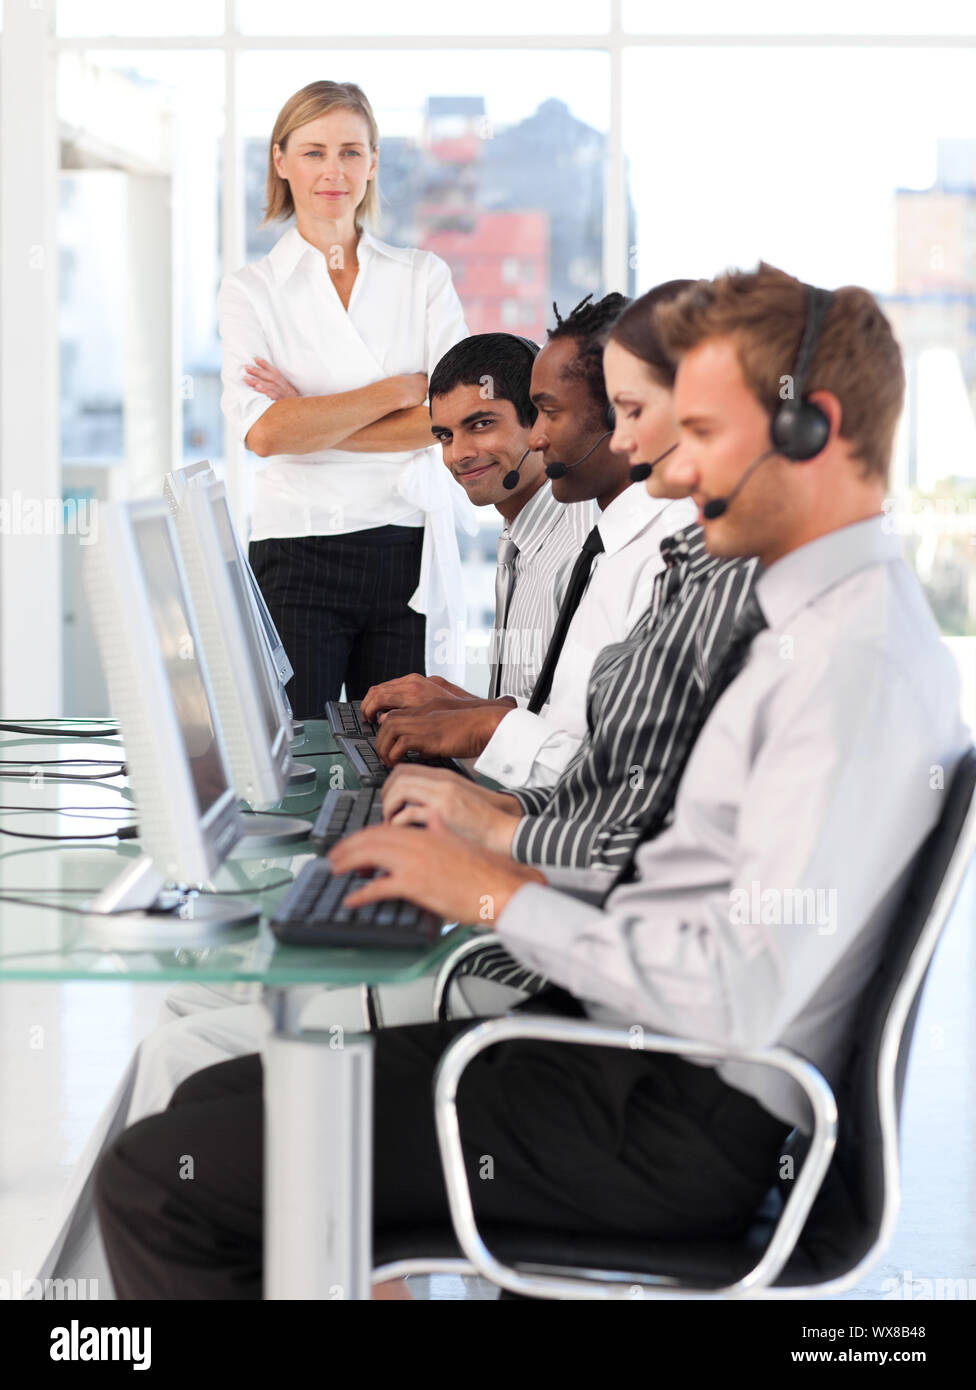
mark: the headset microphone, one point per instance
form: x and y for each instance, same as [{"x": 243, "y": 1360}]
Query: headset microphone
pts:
[
  {"x": 511, "y": 478},
  {"x": 718, "y": 506},
  {"x": 559, "y": 470},
  {"x": 640, "y": 471}
]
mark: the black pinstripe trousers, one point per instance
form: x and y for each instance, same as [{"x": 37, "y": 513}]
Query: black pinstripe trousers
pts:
[{"x": 340, "y": 606}]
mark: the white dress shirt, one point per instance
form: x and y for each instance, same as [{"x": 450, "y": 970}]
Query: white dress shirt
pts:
[
  {"x": 760, "y": 912},
  {"x": 403, "y": 316},
  {"x": 532, "y": 750},
  {"x": 549, "y": 536}
]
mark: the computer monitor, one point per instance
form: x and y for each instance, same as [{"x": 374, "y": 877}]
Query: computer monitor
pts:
[
  {"x": 161, "y": 694},
  {"x": 247, "y": 691},
  {"x": 276, "y": 648},
  {"x": 175, "y": 485}
]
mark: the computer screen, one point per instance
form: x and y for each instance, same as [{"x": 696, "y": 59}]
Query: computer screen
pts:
[
  {"x": 240, "y": 587},
  {"x": 162, "y": 694},
  {"x": 175, "y": 486},
  {"x": 276, "y": 650},
  {"x": 176, "y": 645}
]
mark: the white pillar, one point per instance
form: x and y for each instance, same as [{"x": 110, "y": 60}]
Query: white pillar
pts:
[
  {"x": 30, "y": 461},
  {"x": 152, "y": 395},
  {"x": 232, "y": 257},
  {"x": 616, "y": 252}
]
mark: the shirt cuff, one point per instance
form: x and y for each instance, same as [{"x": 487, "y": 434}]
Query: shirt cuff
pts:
[
  {"x": 511, "y": 751},
  {"x": 540, "y": 925}
]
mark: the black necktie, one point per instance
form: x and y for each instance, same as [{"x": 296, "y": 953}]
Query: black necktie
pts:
[
  {"x": 749, "y": 622},
  {"x": 592, "y": 546}
]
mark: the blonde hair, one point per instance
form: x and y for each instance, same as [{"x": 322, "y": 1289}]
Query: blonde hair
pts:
[{"x": 313, "y": 101}]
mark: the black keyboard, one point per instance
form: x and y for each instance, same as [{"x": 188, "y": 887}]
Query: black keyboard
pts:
[
  {"x": 343, "y": 812},
  {"x": 346, "y": 717},
  {"x": 373, "y": 772},
  {"x": 311, "y": 914},
  {"x": 364, "y": 760}
]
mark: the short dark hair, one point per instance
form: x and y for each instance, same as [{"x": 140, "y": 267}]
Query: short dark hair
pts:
[
  {"x": 499, "y": 360},
  {"x": 589, "y": 324},
  {"x": 636, "y": 331}
]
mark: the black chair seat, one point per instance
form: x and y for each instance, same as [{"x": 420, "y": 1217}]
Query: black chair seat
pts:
[{"x": 698, "y": 1262}]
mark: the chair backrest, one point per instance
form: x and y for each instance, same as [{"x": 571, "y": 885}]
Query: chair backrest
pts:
[{"x": 858, "y": 1203}]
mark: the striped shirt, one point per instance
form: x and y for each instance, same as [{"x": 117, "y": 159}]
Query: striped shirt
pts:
[
  {"x": 643, "y": 694},
  {"x": 549, "y": 536}
]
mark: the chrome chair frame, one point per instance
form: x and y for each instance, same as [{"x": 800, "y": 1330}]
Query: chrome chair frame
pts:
[{"x": 565, "y": 1282}]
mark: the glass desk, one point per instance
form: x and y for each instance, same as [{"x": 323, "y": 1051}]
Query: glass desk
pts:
[{"x": 318, "y": 1088}]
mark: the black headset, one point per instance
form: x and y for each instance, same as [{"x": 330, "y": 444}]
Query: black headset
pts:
[
  {"x": 511, "y": 478},
  {"x": 527, "y": 343},
  {"x": 799, "y": 429}
]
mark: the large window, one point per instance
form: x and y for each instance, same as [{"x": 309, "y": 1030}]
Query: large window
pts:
[
  {"x": 556, "y": 150},
  {"x": 874, "y": 186},
  {"x": 139, "y": 232}
]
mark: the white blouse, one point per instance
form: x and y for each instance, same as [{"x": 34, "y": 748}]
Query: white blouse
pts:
[{"x": 403, "y": 315}]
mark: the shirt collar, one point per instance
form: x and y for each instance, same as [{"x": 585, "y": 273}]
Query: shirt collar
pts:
[
  {"x": 370, "y": 243},
  {"x": 687, "y": 547},
  {"x": 536, "y": 519},
  {"x": 291, "y": 248},
  {"x": 286, "y": 253},
  {"x": 628, "y": 515},
  {"x": 800, "y": 577}
]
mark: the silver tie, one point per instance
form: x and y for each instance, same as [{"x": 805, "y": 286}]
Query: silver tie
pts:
[{"x": 504, "y": 584}]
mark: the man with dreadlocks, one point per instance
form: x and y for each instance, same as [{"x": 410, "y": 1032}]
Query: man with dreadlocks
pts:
[{"x": 529, "y": 744}]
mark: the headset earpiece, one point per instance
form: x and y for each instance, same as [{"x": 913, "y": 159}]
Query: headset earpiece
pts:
[
  {"x": 610, "y": 416},
  {"x": 800, "y": 429}
]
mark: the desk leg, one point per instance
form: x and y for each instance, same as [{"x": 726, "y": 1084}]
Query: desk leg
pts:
[{"x": 318, "y": 1137}]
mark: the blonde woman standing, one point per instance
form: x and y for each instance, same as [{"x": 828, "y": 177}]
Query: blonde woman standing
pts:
[{"x": 327, "y": 346}]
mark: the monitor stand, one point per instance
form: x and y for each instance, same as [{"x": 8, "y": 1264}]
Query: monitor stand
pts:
[
  {"x": 297, "y": 725},
  {"x": 261, "y": 834},
  {"x": 138, "y": 908},
  {"x": 302, "y": 775}
]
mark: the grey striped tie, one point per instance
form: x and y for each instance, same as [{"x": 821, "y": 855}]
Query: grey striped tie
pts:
[{"x": 504, "y": 584}]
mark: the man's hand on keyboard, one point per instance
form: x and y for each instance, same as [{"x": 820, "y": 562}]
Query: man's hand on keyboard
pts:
[
  {"x": 460, "y": 733},
  {"x": 441, "y": 872},
  {"x": 407, "y": 691},
  {"x": 447, "y": 703},
  {"x": 413, "y": 795}
]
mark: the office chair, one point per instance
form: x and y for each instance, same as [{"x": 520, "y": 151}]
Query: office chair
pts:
[{"x": 836, "y": 1219}]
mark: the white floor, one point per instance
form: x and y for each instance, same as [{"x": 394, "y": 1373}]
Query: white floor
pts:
[{"x": 62, "y": 1048}]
